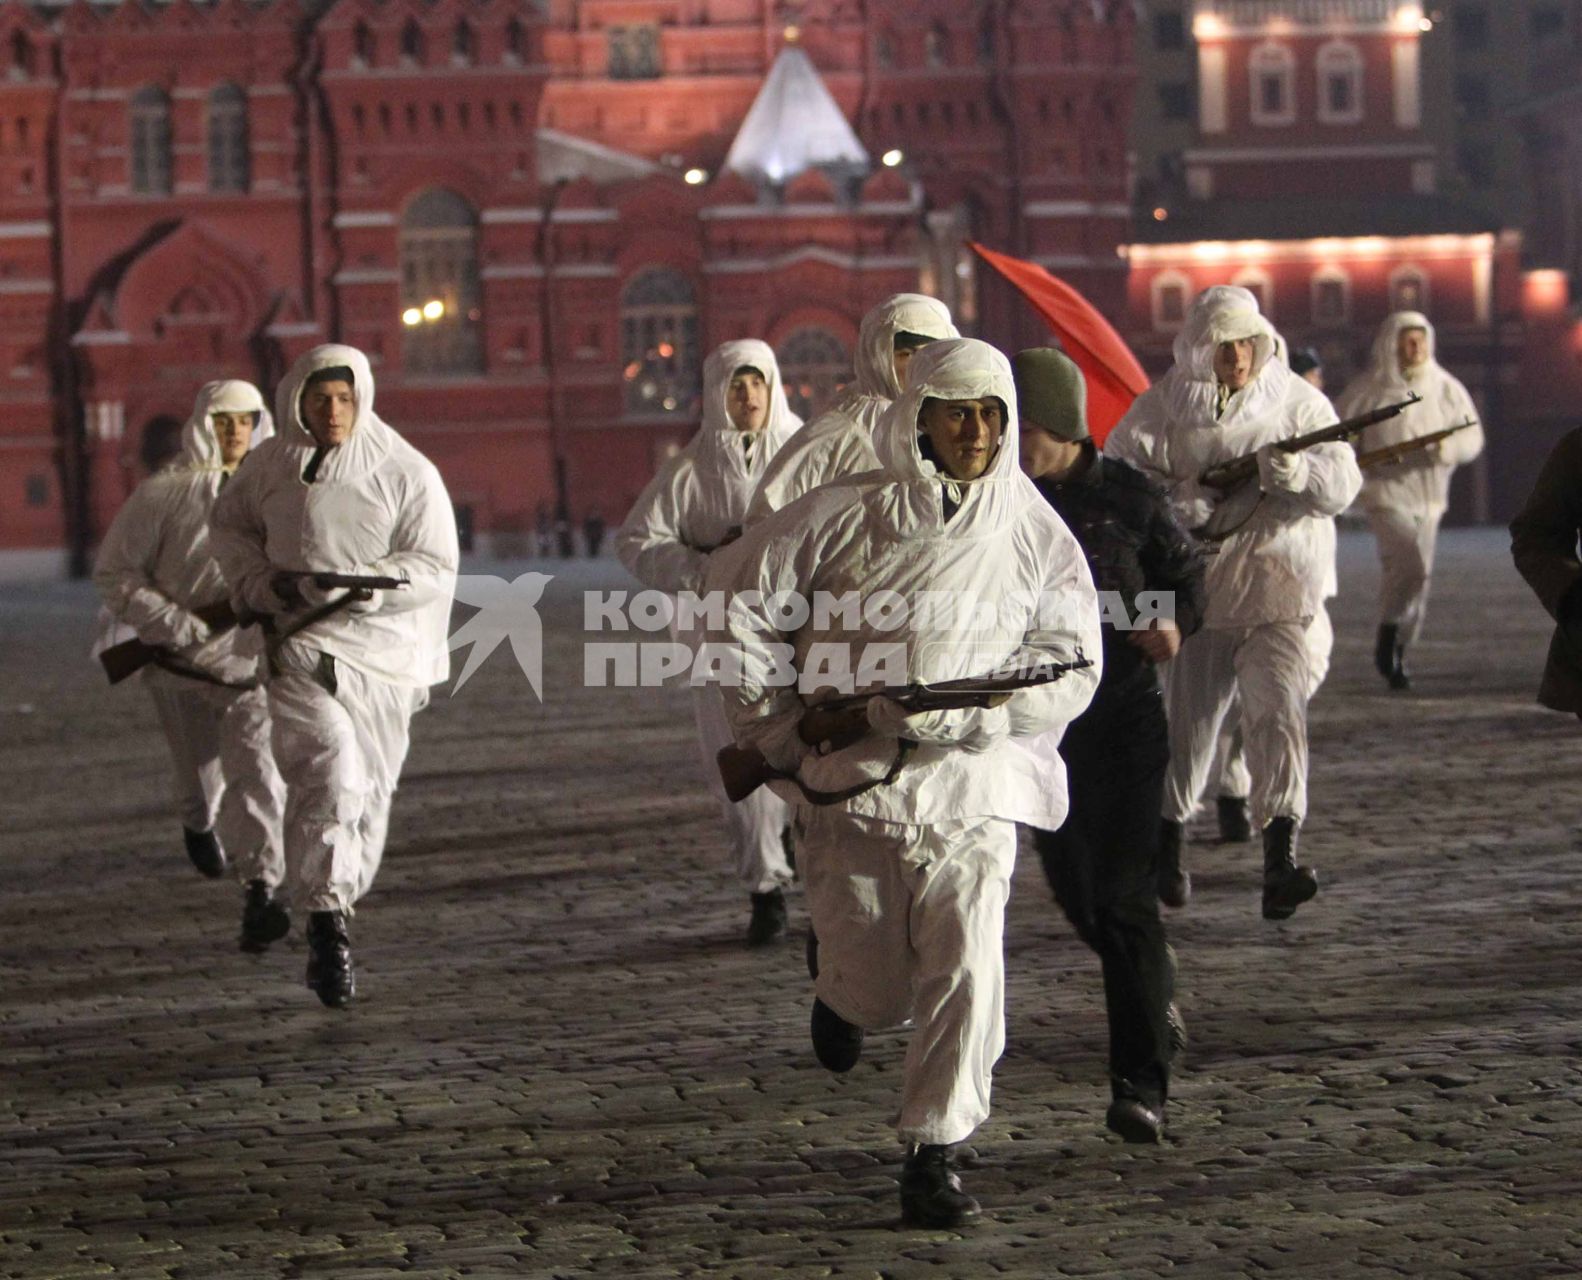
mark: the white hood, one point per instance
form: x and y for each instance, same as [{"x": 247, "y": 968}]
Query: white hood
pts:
[
  {"x": 370, "y": 439},
  {"x": 200, "y": 449},
  {"x": 875, "y": 356},
  {"x": 1223, "y": 313},
  {"x": 718, "y": 444},
  {"x": 956, "y": 369}
]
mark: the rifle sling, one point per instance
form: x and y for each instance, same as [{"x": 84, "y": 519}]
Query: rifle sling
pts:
[
  {"x": 314, "y": 616},
  {"x": 905, "y": 747},
  {"x": 165, "y": 660}
]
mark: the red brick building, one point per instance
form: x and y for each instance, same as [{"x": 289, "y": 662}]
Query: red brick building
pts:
[
  {"x": 521, "y": 211},
  {"x": 1313, "y": 183}
]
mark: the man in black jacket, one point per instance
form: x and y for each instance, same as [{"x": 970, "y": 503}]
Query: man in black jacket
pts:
[{"x": 1102, "y": 863}]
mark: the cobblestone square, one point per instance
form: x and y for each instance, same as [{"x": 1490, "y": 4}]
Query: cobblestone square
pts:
[{"x": 564, "y": 1063}]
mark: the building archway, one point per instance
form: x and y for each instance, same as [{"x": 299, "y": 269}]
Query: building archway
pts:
[{"x": 814, "y": 367}]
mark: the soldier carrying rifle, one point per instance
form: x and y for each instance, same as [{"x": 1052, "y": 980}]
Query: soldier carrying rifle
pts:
[
  {"x": 338, "y": 492},
  {"x": 1405, "y": 498},
  {"x": 907, "y": 855},
  {"x": 158, "y": 576},
  {"x": 1227, "y": 397}
]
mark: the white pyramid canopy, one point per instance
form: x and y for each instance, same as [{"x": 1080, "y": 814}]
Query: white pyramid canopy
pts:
[{"x": 794, "y": 125}]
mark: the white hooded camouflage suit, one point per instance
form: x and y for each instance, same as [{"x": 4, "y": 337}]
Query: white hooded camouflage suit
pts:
[
  {"x": 343, "y": 691},
  {"x": 154, "y": 567},
  {"x": 907, "y": 883},
  {"x": 1268, "y": 579},
  {"x": 1406, "y": 500}
]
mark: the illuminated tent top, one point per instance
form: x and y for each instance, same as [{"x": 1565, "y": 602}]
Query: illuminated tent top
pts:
[{"x": 794, "y": 125}]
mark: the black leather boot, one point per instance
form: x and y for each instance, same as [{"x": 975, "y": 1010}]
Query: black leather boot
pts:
[
  {"x": 1235, "y": 820},
  {"x": 931, "y": 1194},
  {"x": 264, "y": 918},
  {"x": 812, "y": 953},
  {"x": 330, "y": 959},
  {"x": 1286, "y": 886},
  {"x": 1389, "y": 655},
  {"x": 203, "y": 847},
  {"x": 1173, "y": 883},
  {"x": 836, "y": 1043},
  {"x": 769, "y": 918},
  {"x": 1135, "y": 1120}
]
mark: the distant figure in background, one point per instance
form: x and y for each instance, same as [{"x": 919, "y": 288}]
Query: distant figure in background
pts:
[
  {"x": 593, "y": 533},
  {"x": 544, "y": 531},
  {"x": 155, "y": 567},
  {"x": 1305, "y": 363},
  {"x": 1544, "y": 546},
  {"x": 1406, "y": 500}
]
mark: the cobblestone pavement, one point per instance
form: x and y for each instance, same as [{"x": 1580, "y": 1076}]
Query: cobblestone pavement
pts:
[{"x": 565, "y": 1064}]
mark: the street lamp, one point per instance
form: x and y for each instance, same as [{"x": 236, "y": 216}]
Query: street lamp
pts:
[
  {"x": 695, "y": 177},
  {"x": 412, "y": 316},
  {"x": 893, "y": 157},
  {"x": 433, "y": 309}
]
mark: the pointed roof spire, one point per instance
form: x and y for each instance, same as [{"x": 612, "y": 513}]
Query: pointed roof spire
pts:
[{"x": 794, "y": 125}]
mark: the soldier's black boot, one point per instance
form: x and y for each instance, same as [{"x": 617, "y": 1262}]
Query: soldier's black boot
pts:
[
  {"x": 1135, "y": 1120},
  {"x": 1235, "y": 820},
  {"x": 330, "y": 959},
  {"x": 264, "y": 918},
  {"x": 203, "y": 847},
  {"x": 1399, "y": 678},
  {"x": 1286, "y": 886},
  {"x": 1173, "y": 883},
  {"x": 769, "y": 918},
  {"x": 931, "y": 1194},
  {"x": 836, "y": 1043}
]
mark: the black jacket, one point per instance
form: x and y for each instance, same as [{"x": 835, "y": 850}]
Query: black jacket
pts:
[
  {"x": 1133, "y": 544},
  {"x": 1544, "y": 546}
]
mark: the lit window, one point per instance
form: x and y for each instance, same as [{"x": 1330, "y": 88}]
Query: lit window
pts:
[
  {"x": 659, "y": 344},
  {"x": 439, "y": 280},
  {"x": 814, "y": 367},
  {"x": 634, "y": 52},
  {"x": 1331, "y": 298},
  {"x": 1408, "y": 289},
  {"x": 1169, "y": 300},
  {"x": 1339, "y": 83}
]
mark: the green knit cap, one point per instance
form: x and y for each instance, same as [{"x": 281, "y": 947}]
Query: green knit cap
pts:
[{"x": 1051, "y": 393}]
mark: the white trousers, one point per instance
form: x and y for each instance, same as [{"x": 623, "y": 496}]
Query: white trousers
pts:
[
  {"x": 341, "y": 738},
  {"x": 224, "y": 772},
  {"x": 1268, "y": 668},
  {"x": 1230, "y": 759},
  {"x": 910, "y": 923},
  {"x": 1406, "y": 560},
  {"x": 755, "y": 825}
]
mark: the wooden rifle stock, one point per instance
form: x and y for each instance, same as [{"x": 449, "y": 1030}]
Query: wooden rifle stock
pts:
[
  {"x": 1404, "y": 448},
  {"x": 126, "y": 659}
]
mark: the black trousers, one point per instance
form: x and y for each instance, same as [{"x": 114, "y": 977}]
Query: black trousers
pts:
[{"x": 1102, "y": 866}]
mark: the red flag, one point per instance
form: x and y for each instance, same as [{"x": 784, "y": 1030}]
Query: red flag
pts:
[{"x": 1113, "y": 375}]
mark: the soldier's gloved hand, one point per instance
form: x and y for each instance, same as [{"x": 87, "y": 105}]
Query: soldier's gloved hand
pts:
[
  {"x": 187, "y": 630},
  {"x": 1194, "y": 503},
  {"x": 1281, "y": 472}
]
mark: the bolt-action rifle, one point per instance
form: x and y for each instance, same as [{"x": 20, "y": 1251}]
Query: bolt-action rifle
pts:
[
  {"x": 1405, "y": 448},
  {"x": 1237, "y": 479},
  {"x": 743, "y": 769},
  {"x": 131, "y": 656}
]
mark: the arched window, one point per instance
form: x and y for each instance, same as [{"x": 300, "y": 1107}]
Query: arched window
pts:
[
  {"x": 814, "y": 366},
  {"x": 1331, "y": 297},
  {"x": 935, "y": 44},
  {"x": 986, "y": 50},
  {"x": 1408, "y": 289},
  {"x": 463, "y": 44},
  {"x": 1260, "y": 285},
  {"x": 884, "y": 50},
  {"x": 659, "y": 344},
  {"x": 1272, "y": 73},
  {"x": 412, "y": 42},
  {"x": 228, "y": 144},
  {"x": 150, "y": 121},
  {"x": 1168, "y": 294},
  {"x": 365, "y": 45},
  {"x": 1339, "y": 83},
  {"x": 441, "y": 300}
]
